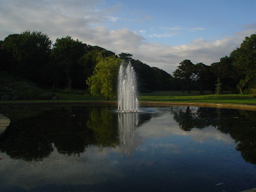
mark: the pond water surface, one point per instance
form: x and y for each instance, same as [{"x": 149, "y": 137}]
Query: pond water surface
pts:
[{"x": 93, "y": 148}]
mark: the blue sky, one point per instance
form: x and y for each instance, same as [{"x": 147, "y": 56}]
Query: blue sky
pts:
[{"x": 160, "y": 33}]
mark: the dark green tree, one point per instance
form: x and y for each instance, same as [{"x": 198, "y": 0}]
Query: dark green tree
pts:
[
  {"x": 203, "y": 76},
  {"x": 5, "y": 58},
  {"x": 66, "y": 54},
  {"x": 125, "y": 56},
  {"x": 145, "y": 76},
  {"x": 163, "y": 80},
  {"x": 185, "y": 71},
  {"x": 89, "y": 60},
  {"x": 245, "y": 62},
  {"x": 218, "y": 87},
  {"x": 226, "y": 72},
  {"x": 28, "y": 54}
]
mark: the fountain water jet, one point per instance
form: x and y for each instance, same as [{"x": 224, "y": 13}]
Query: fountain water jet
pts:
[{"x": 127, "y": 89}]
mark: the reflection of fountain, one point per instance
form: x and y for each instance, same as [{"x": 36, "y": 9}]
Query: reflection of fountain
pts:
[
  {"x": 126, "y": 124},
  {"x": 127, "y": 89}
]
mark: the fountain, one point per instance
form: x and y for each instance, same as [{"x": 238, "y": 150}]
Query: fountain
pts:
[{"x": 127, "y": 89}]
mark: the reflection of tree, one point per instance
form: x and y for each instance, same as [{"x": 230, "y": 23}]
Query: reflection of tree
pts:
[
  {"x": 240, "y": 125},
  {"x": 34, "y": 137},
  {"x": 102, "y": 123},
  {"x": 22, "y": 144},
  {"x": 189, "y": 119},
  {"x": 244, "y": 133}
]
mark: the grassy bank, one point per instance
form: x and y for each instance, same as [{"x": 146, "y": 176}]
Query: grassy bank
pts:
[
  {"x": 170, "y": 96},
  {"x": 195, "y": 97},
  {"x": 15, "y": 90}
]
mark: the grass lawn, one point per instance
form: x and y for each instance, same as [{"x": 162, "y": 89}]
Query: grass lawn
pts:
[
  {"x": 195, "y": 97},
  {"x": 78, "y": 96}
]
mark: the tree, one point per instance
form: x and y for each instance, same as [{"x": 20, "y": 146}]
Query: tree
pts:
[
  {"x": 29, "y": 53},
  {"x": 89, "y": 60},
  {"x": 163, "y": 80},
  {"x": 104, "y": 78},
  {"x": 245, "y": 62},
  {"x": 218, "y": 87},
  {"x": 185, "y": 71},
  {"x": 66, "y": 54},
  {"x": 203, "y": 76},
  {"x": 4, "y": 58},
  {"x": 226, "y": 72},
  {"x": 125, "y": 56},
  {"x": 145, "y": 76}
]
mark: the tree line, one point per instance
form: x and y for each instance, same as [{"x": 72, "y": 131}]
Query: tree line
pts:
[
  {"x": 236, "y": 72},
  {"x": 70, "y": 63}
]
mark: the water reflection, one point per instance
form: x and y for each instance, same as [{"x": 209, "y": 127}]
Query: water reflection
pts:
[
  {"x": 126, "y": 125},
  {"x": 88, "y": 148},
  {"x": 32, "y": 136},
  {"x": 239, "y": 124}
]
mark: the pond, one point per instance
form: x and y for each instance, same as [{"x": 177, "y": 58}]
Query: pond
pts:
[{"x": 93, "y": 148}]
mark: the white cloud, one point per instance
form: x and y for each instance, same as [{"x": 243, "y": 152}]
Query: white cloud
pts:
[
  {"x": 142, "y": 31},
  {"x": 162, "y": 35},
  {"x": 171, "y": 31},
  {"x": 113, "y": 19},
  {"x": 85, "y": 20}
]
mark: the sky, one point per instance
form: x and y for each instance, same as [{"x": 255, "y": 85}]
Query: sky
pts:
[{"x": 160, "y": 33}]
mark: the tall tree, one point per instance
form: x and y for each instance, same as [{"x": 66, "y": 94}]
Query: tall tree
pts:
[
  {"x": 66, "y": 54},
  {"x": 185, "y": 71},
  {"x": 29, "y": 54},
  {"x": 104, "y": 78},
  {"x": 203, "y": 76},
  {"x": 89, "y": 60},
  {"x": 163, "y": 80},
  {"x": 226, "y": 73},
  {"x": 245, "y": 62},
  {"x": 125, "y": 56},
  {"x": 5, "y": 58},
  {"x": 145, "y": 76}
]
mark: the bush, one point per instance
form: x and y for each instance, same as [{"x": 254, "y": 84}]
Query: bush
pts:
[{"x": 18, "y": 89}]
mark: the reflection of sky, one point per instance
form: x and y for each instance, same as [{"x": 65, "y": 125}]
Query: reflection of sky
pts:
[
  {"x": 161, "y": 150},
  {"x": 165, "y": 126},
  {"x": 94, "y": 166}
]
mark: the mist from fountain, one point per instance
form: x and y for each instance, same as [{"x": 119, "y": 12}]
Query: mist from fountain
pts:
[{"x": 127, "y": 89}]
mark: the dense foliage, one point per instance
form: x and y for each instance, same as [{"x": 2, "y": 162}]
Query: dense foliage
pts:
[
  {"x": 70, "y": 63},
  {"x": 104, "y": 78},
  {"x": 236, "y": 72}
]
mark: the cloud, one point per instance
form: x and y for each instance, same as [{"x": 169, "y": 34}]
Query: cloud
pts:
[
  {"x": 55, "y": 18},
  {"x": 87, "y": 20},
  {"x": 162, "y": 35},
  {"x": 171, "y": 31},
  {"x": 148, "y": 17},
  {"x": 168, "y": 57}
]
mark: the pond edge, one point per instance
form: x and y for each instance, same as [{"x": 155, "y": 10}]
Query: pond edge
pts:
[{"x": 143, "y": 103}]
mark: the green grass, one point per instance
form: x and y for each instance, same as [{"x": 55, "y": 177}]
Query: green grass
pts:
[
  {"x": 195, "y": 97},
  {"x": 78, "y": 96}
]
